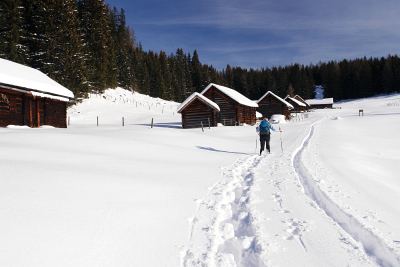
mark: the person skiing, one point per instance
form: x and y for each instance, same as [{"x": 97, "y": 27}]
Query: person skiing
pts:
[{"x": 264, "y": 130}]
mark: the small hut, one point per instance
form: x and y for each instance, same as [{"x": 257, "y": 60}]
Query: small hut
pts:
[
  {"x": 270, "y": 104},
  {"x": 198, "y": 111},
  {"x": 29, "y": 97},
  {"x": 298, "y": 105},
  {"x": 235, "y": 107},
  {"x": 298, "y": 98},
  {"x": 320, "y": 103}
]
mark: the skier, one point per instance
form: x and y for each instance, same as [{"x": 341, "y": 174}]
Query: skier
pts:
[{"x": 264, "y": 130}]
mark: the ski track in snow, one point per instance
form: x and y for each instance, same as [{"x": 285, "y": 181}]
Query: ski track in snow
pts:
[
  {"x": 373, "y": 245},
  {"x": 231, "y": 233}
]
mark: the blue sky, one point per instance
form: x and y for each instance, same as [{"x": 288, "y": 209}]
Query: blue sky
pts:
[{"x": 266, "y": 33}]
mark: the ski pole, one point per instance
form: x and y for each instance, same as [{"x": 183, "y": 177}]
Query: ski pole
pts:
[
  {"x": 280, "y": 131},
  {"x": 255, "y": 151}
]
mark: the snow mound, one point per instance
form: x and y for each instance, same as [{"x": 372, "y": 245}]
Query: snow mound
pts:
[
  {"x": 277, "y": 118},
  {"x": 17, "y": 127},
  {"x": 337, "y": 118}
]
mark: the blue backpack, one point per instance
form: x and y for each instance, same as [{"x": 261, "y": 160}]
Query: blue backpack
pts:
[{"x": 265, "y": 128}]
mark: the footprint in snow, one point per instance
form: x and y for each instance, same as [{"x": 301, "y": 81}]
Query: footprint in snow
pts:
[{"x": 296, "y": 229}]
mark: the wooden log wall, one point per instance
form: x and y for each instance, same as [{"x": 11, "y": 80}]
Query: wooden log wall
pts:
[
  {"x": 11, "y": 108},
  {"x": 196, "y": 113},
  {"x": 228, "y": 107},
  {"x": 297, "y": 108},
  {"x": 246, "y": 115},
  {"x": 321, "y": 106},
  {"x": 18, "y": 108},
  {"x": 270, "y": 106},
  {"x": 299, "y": 99}
]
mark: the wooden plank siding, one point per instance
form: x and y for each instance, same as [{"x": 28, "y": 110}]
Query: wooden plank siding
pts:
[
  {"x": 302, "y": 101},
  {"x": 231, "y": 112},
  {"x": 321, "y": 106},
  {"x": 197, "y": 113},
  {"x": 246, "y": 114},
  {"x": 227, "y": 114},
  {"x": 17, "y": 108},
  {"x": 297, "y": 108},
  {"x": 269, "y": 106}
]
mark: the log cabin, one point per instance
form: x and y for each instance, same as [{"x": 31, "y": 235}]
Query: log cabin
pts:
[
  {"x": 270, "y": 104},
  {"x": 298, "y": 98},
  {"x": 198, "y": 111},
  {"x": 320, "y": 103},
  {"x": 235, "y": 108},
  {"x": 298, "y": 106},
  {"x": 29, "y": 97}
]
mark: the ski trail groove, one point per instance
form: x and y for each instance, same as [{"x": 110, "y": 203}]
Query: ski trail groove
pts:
[{"x": 374, "y": 246}]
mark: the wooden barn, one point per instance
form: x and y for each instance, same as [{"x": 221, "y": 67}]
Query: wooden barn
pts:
[
  {"x": 298, "y": 98},
  {"x": 270, "y": 104},
  {"x": 197, "y": 110},
  {"x": 320, "y": 103},
  {"x": 29, "y": 97},
  {"x": 235, "y": 108},
  {"x": 298, "y": 106}
]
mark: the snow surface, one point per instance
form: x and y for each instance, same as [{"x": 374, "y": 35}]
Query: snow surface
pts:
[
  {"x": 192, "y": 97},
  {"x": 283, "y": 101},
  {"x": 113, "y": 195},
  {"x": 15, "y": 74},
  {"x": 238, "y": 97},
  {"x": 278, "y": 118}
]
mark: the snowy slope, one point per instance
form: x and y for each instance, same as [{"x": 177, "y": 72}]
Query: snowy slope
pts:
[{"x": 113, "y": 195}]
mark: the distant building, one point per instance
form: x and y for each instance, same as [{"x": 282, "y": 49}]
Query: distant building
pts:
[
  {"x": 270, "y": 104},
  {"x": 298, "y": 105},
  {"x": 29, "y": 97},
  {"x": 320, "y": 103},
  {"x": 297, "y": 97},
  {"x": 235, "y": 108},
  {"x": 198, "y": 111}
]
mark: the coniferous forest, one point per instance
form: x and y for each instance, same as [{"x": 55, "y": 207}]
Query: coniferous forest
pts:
[{"x": 86, "y": 46}]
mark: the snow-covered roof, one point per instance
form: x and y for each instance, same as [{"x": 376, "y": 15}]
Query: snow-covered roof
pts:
[
  {"x": 301, "y": 99},
  {"x": 299, "y": 103},
  {"x": 238, "y": 97},
  {"x": 35, "y": 81},
  {"x": 194, "y": 96},
  {"x": 322, "y": 101},
  {"x": 277, "y": 97}
]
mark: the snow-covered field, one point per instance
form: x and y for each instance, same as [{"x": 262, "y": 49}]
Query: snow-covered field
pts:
[{"x": 132, "y": 195}]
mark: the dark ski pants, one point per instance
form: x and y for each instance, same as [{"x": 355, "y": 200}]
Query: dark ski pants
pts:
[{"x": 264, "y": 140}]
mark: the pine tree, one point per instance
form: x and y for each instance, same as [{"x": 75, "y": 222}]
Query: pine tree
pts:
[
  {"x": 54, "y": 42},
  {"x": 196, "y": 71},
  {"x": 124, "y": 49},
  {"x": 11, "y": 31},
  {"x": 95, "y": 22}
]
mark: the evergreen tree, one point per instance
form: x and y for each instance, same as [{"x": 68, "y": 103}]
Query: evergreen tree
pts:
[
  {"x": 12, "y": 32},
  {"x": 96, "y": 20},
  {"x": 196, "y": 71},
  {"x": 124, "y": 45},
  {"x": 54, "y": 42}
]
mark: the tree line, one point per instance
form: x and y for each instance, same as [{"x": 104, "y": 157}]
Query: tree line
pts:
[{"x": 86, "y": 46}]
